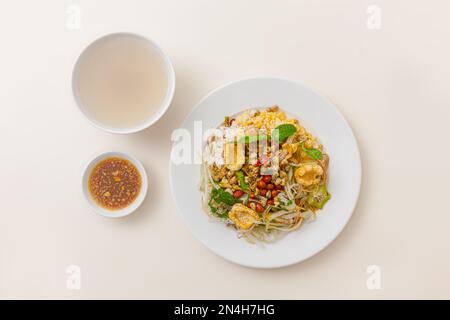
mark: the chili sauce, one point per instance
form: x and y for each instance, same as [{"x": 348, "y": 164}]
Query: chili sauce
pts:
[{"x": 114, "y": 183}]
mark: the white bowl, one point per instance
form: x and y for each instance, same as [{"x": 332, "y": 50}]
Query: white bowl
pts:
[
  {"x": 170, "y": 73},
  {"x": 133, "y": 206},
  {"x": 319, "y": 116}
]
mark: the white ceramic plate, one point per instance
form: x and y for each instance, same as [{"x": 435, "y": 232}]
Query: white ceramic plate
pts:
[{"x": 316, "y": 114}]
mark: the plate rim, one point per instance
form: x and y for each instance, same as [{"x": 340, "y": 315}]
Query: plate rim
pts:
[{"x": 358, "y": 171}]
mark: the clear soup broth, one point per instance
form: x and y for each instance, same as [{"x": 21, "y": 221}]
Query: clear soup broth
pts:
[{"x": 121, "y": 81}]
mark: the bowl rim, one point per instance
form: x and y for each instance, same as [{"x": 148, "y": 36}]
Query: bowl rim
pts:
[
  {"x": 162, "y": 108},
  {"x": 134, "y": 205}
]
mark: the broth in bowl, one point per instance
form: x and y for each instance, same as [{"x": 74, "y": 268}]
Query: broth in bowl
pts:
[{"x": 123, "y": 82}]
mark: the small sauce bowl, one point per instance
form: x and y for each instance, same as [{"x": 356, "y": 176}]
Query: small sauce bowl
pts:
[{"x": 119, "y": 212}]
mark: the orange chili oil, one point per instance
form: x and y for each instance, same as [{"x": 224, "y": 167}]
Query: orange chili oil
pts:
[{"x": 114, "y": 183}]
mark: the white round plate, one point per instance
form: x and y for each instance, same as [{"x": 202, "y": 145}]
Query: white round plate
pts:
[{"x": 318, "y": 115}]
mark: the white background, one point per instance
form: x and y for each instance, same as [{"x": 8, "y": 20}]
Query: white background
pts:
[{"x": 391, "y": 84}]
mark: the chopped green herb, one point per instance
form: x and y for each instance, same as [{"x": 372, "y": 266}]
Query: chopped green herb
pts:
[
  {"x": 318, "y": 197},
  {"x": 312, "y": 153},
  {"x": 253, "y": 139},
  {"x": 211, "y": 207},
  {"x": 221, "y": 196},
  {"x": 220, "y": 203},
  {"x": 241, "y": 178},
  {"x": 283, "y": 131}
]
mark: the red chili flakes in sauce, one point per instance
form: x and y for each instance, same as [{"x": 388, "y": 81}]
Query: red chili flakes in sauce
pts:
[{"x": 114, "y": 183}]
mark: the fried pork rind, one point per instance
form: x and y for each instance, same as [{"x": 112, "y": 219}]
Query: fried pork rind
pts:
[
  {"x": 308, "y": 174},
  {"x": 243, "y": 217}
]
